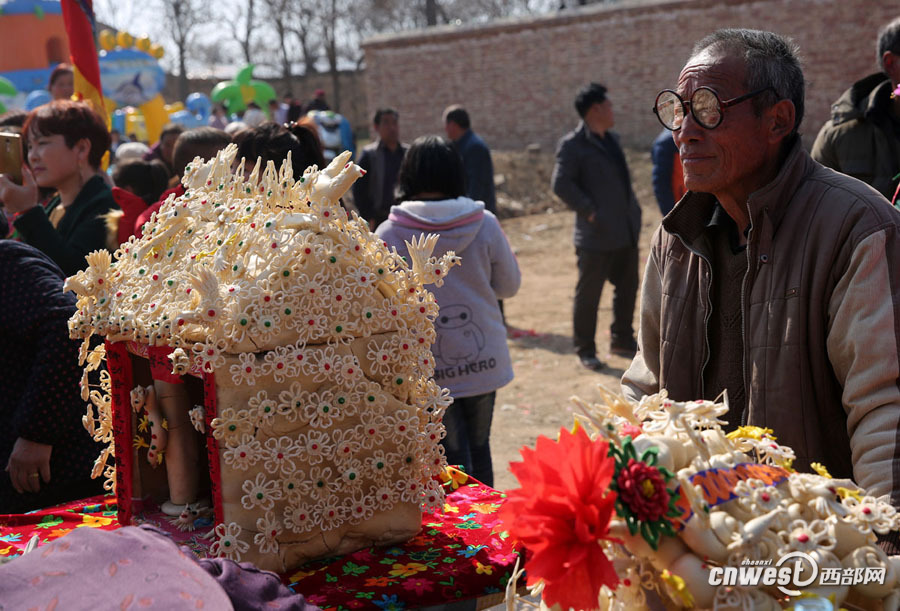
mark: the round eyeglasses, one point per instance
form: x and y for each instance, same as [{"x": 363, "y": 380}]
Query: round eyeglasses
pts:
[{"x": 706, "y": 107}]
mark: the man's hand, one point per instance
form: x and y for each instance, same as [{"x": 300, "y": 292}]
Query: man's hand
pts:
[
  {"x": 19, "y": 198},
  {"x": 28, "y": 464}
]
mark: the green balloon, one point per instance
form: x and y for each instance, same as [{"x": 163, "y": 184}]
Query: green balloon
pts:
[
  {"x": 243, "y": 89},
  {"x": 6, "y": 88}
]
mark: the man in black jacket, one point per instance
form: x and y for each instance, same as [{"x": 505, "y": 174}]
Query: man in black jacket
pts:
[
  {"x": 591, "y": 176},
  {"x": 373, "y": 194}
]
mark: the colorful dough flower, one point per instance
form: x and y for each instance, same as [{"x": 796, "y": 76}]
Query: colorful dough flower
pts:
[
  {"x": 644, "y": 502},
  {"x": 562, "y": 513}
]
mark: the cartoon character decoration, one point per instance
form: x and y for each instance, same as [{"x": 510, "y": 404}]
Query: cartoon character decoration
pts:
[
  {"x": 133, "y": 80},
  {"x": 236, "y": 94},
  {"x": 460, "y": 340},
  {"x": 195, "y": 111}
]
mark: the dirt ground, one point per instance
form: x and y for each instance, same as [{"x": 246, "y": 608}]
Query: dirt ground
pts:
[{"x": 547, "y": 372}]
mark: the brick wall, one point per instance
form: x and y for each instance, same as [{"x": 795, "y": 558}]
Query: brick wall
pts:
[{"x": 518, "y": 77}]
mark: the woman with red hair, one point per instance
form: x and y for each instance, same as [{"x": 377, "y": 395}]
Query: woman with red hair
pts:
[{"x": 66, "y": 142}]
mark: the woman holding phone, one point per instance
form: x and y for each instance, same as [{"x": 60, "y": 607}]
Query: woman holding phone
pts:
[{"x": 66, "y": 143}]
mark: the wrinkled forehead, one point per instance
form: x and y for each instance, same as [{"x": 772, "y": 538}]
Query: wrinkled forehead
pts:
[{"x": 721, "y": 71}]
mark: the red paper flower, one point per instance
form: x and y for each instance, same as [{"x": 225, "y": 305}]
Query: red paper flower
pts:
[
  {"x": 560, "y": 514},
  {"x": 643, "y": 489}
]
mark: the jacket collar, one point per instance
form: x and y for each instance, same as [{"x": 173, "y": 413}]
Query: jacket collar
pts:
[
  {"x": 463, "y": 140},
  {"x": 862, "y": 99},
  {"x": 381, "y": 146},
  {"x": 94, "y": 186},
  {"x": 766, "y": 206}
]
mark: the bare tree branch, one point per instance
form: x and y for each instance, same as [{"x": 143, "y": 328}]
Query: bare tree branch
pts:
[
  {"x": 244, "y": 22},
  {"x": 183, "y": 18}
]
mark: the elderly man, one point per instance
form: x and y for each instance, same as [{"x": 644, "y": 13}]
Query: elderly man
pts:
[{"x": 774, "y": 278}]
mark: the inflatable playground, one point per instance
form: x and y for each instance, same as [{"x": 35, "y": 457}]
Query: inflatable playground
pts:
[{"x": 33, "y": 41}]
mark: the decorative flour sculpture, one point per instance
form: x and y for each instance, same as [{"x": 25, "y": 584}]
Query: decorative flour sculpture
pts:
[
  {"x": 312, "y": 340},
  {"x": 655, "y": 499}
]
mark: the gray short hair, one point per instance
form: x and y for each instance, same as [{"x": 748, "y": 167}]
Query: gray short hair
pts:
[
  {"x": 771, "y": 61},
  {"x": 888, "y": 40}
]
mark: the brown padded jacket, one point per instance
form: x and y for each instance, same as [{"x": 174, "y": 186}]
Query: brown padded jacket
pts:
[{"x": 821, "y": 318}]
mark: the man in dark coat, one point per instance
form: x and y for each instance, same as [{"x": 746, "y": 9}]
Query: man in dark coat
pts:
[
  {"x": 591, "y": 176},
  {"x": 475, "y": 154},
  {"x": 373, "y": 194}
]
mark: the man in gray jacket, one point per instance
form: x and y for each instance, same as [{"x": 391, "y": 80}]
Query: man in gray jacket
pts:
[{"x": 592, "y": 177}]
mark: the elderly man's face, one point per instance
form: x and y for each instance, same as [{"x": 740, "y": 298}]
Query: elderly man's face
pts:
[{"x": 726, "y": 161}]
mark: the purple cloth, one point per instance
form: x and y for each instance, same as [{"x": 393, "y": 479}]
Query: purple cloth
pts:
[
  {"x": 136, "y": 568},
  {"x": 251, "y": 588},
  {"x": 128, "y": 568}
]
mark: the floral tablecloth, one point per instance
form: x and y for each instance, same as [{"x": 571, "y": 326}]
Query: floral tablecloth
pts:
[{"x": 460, "y": 553}]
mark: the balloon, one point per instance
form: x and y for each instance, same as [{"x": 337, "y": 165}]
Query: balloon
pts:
[
  {"x": 36, "y": 98},
  {"x": 107, "y": 40},
  {"x": 243, "y": 89},
  {"x": 198, "y": 104},
  {"x": 124, "y": 39},
  {"x": 143, "y": 44},
  {"x": 157, "y": 51},
  {"x": 185, "y": 118},
  {"x": 6, "y": 88},
  {"x": 155, "y": 117}
]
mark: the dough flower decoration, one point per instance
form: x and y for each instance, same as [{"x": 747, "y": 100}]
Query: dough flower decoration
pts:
[
  {"x": 562, "y": 514},
  {"x": 644, "y": 501},
  {"x": 228, "y": 543}
]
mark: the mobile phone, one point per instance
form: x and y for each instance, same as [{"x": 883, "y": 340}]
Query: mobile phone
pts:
[{"x": 11, "y": 156}]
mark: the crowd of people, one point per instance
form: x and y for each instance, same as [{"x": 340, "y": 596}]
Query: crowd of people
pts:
[
  {"x": 66, "y": 206},
  {"x": 772, "y": 280}
]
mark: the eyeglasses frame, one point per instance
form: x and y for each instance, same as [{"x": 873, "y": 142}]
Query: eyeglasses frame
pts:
[{"x": 722, "y": 104}]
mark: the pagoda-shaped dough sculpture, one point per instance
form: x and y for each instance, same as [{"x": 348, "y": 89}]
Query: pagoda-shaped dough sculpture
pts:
[{"x": 317, "y": 407}]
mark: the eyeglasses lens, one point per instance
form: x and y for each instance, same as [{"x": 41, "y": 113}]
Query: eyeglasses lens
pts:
[
  {"x": 669, "y": 109},
  {"x": 705, "y": 107}
]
